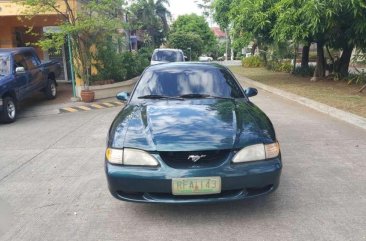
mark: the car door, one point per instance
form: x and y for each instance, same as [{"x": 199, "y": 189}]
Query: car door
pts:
[
  {"x": 21, "y": 79},
  {"x": 35, "y": 70}
]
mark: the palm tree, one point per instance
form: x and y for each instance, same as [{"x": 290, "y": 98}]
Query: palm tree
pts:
[
  {"x": 151, "y": 16},
  {"x": 163, "y": 13}
]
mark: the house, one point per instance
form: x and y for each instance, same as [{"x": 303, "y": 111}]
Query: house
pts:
[
  {"x": 219, "y": 34},
  {"x": 15, "y": 25}
]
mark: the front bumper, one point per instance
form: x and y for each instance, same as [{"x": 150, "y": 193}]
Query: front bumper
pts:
[{"x": 154, "y": 185}]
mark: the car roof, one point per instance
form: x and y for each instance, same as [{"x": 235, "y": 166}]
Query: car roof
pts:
[
  {"x": 185, "y": 65},
  {"x": 176, "y": 50},
  {"x": 15, "y": 50}
]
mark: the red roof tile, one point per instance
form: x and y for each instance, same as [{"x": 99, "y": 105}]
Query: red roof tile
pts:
[{"x": 218, "y": 32}]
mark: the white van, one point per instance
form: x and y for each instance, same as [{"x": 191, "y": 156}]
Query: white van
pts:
[{"x": 161, "y": 56}]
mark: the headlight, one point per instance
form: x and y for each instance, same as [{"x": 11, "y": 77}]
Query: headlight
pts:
[
  {"x": 257, "y": 152},
  {"x": 130, "y": 157},
  {"x": 114, "y": 156}
]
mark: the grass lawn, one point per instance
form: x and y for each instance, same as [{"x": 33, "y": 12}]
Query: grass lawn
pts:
[{"x": 333, "y": 93}]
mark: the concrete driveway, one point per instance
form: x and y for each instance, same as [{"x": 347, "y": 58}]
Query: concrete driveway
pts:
[{"x": 52, "y": 185}]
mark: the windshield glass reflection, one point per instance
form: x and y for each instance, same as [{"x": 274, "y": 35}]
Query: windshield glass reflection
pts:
[{"x": 180, "y": 81}]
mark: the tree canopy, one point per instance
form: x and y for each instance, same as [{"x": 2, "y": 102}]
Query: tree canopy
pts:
[
  {"x": 190, "y": 43},
  {"x": 197, "y": 25},
  {"x": 336, "y": 24},
  {"x": 91, "y": 21},
  {"x": 151, "y": 16}
]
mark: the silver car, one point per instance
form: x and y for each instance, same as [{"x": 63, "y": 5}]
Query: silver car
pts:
[{"x": 161, "y": 56}]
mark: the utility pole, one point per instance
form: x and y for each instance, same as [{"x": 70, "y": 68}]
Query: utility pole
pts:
[
  {"x": 190, "y": 53},
  {"x": 227, "y": 45},
  {"x": 71, "y": 66}
]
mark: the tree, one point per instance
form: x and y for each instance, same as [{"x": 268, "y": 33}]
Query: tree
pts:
[
  {"x": 342, "y": 34},
  {"x": 85, "y": 24},
  {"x": 291, "y": 26},
  {"x": 253, "y": 20},
  {"x": 186, "y": 40},
  {"x": 221, "y": 12},
  {"x": 205, "y": 5},
  {"x": 195, "y": 24},
  {"x": 325, "y": 22},
  {"x": 151, "y": 16}
]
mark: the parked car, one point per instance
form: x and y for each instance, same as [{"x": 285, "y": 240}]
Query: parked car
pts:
[
  {"x": 190, "y": 134},
  {"x": 205, "y": 58},
  {"x": 21, "y": 75},
  {"x": 161, "y": 56}
]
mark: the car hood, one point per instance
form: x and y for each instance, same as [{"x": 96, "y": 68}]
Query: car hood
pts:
[{"x": 208, "y": 124}]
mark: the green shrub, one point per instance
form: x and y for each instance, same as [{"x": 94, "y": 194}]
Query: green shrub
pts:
[
  {"x": 285, "y": 66},
  {"x": 108, "y": 63},
  {"x": 280, "y": 66},
  {"x": 112, "y": 65},
  {"x": 357, "y": 79},
  {"x": 252, "y": 62},
  {"x": 305, "y": 72}
]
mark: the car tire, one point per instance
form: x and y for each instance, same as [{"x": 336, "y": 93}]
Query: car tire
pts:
[
  {"x": 9, "y": 111},
  {"x": 51, "y": 89}
]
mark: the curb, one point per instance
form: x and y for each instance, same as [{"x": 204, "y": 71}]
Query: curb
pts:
[
  {"x": 95, "y": 106},
  {"x": 334, "y": 112}
]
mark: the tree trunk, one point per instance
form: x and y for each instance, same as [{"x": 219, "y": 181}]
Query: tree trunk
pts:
[
  {"x": 295, "y": 58},
  {"x": 305, "y": 56},
  {"x": 344, "y": 61},
  {"x": 320, "y": 62},
  {"x": 254, "y": 48},
  {"x": 362, "y": 88},
  {"x": 262, "y": 49}
]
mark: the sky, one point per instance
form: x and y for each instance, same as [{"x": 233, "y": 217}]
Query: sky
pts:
[{"x": 180, "y": 7}]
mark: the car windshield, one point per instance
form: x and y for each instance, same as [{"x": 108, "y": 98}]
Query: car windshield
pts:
[
  {"x": 4, "y": 65},
  {"x": 187, "y": 82},
  {"x": 167, "y": 56}
]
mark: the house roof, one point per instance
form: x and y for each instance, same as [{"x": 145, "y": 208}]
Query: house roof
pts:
[{"x": 218, "y": 32}]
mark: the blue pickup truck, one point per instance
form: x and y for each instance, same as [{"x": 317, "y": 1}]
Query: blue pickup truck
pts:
[{"x": 21, "y": 75}]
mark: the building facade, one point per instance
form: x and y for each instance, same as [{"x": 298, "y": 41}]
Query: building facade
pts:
[{"x": 17, "y": 29}]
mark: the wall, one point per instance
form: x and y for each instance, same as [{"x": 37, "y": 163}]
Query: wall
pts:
[
  {"x": 9, "y": 25},
  {"x": 9, "y": 8}
]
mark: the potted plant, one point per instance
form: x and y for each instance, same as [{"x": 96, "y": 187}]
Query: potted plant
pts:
[
  {"x": 85, "y": 41},
  {"x": 86, "y": 94}
]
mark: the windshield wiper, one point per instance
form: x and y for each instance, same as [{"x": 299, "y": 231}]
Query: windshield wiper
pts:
[
  {"x": 193, "y": 96},
  {"x": 159, "y": 97}
]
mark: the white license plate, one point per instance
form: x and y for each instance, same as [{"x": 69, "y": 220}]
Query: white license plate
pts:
[{"x": 196, "y": 185}]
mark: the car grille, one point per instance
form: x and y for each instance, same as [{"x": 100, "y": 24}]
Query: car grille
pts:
[{"x": 180, "y": 160}]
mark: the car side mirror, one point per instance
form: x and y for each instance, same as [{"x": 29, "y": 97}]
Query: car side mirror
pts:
[
  {"x": 19, "y": 70},
  {"x": 185, "y": 58},
  {"x": 123, "y": 96},
  {"x": 250, "y": 92}
]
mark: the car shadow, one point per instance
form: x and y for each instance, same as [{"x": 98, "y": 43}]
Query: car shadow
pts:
[
  {"x": 64, "y": 93},
  {"x": 212, "y": 212}
]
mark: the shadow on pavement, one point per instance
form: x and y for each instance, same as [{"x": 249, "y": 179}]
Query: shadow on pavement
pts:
[
  {"x": 260, "y": 206},
  {"x": 64, "y": 93}
]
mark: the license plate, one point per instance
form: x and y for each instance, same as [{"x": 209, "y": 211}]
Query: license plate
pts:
[{"x": 196, "y": 185}]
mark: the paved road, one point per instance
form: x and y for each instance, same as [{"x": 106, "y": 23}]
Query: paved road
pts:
[
  {"x": 229, "y": 62},
  {"x": 52, "y": 185}
]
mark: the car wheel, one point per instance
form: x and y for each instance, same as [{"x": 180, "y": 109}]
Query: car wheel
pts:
[
  {"x": 9, "y": 112},
  {"x": 51, "y": 89}
]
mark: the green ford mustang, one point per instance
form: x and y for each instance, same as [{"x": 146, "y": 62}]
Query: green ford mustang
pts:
[{"x": 189, "y": 134}]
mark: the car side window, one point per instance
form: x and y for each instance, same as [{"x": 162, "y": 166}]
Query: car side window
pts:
[
  {"x": 31, "y": 60},
  {"x": 235, "y": 89},
  {"x": 19, "y": 61}
]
